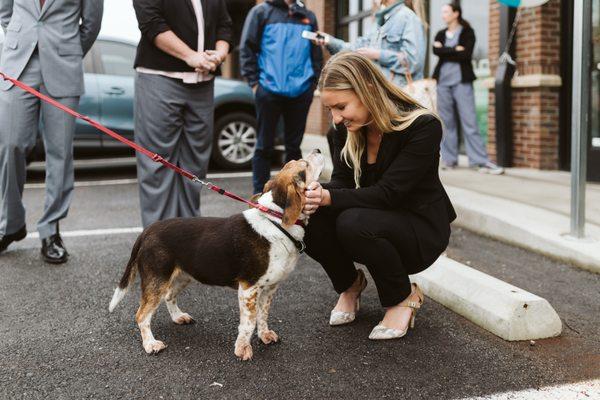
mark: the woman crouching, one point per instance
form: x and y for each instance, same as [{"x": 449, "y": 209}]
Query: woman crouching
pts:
[{"x": 385, "y": 206}]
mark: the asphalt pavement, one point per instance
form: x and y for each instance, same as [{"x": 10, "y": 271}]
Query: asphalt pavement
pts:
[{"x": 58, "y": 341}]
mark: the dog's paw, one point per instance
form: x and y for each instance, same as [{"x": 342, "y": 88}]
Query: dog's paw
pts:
[
  {"x": 268, "y": 337},
  {"x": 154, "y": 346},
  {"x": 183, "y": 319},
  {"x": 243, "y": 351}
]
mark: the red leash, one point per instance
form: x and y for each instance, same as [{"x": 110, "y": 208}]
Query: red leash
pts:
[{"x": 154, "y": 156}]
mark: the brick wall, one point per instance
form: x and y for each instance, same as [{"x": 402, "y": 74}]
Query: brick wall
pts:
[
  {"x": 535, "y": 108},
  {"x": 318, "y": 120}
]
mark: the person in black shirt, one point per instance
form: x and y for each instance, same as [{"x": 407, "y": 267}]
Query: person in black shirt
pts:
[
  {"x": 385, "y": 206},
  {"x": 182, "y": 45},
  {"x": 454, "y": 74}
]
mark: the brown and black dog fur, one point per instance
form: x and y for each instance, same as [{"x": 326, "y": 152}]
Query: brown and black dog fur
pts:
[{"x": 244, "y": 251}]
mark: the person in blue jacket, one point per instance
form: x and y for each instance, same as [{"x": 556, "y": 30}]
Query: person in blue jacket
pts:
[{"x": 282, "y": 68}]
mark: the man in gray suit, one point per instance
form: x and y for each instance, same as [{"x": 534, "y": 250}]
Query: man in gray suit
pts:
[{"x": 45, "y": 41}]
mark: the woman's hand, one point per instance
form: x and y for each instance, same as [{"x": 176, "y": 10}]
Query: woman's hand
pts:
[
  {"x": 438, "y": 45},
  {"x": 315, "y": 196},
  {"x": 460, "y": 48},
  {"x": 371, "y": 54},
  {"x": 323, "y": 40}
]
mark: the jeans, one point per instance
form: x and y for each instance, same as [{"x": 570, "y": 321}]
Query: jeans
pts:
[{"x": 269, "y": 109}]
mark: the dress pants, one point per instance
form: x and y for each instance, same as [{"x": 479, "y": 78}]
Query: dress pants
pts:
[
  {"x": 383, "y": 240},
  {"x": 175, "y": 120},
  {"x": 19, "y": 123},
  {"x": 461, "y": 98}
]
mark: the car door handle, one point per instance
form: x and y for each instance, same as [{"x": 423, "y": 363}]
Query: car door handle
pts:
[{"x": 115, "y": 91}]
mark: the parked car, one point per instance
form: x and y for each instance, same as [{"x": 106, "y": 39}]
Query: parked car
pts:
[{"x": 108, "y": 99}]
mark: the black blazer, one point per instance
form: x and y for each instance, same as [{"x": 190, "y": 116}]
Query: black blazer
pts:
[
  {"x": 406, "y": 178},
  {"x": 158, "y": 16},
  {"x": 466, "y": 40}
]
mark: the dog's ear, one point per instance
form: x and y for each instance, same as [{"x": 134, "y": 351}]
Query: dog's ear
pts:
[
  {"x": 294, "y": 202},
  {"x": 254, "y": 198},
  {"x": 269, "y": 185}
]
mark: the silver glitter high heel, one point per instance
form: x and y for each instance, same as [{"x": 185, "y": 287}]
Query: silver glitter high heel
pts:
[
  {"x": 381, "y": 332},
  {"x": 342, "y": 317}
]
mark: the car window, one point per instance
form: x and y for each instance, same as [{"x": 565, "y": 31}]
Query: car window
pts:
[{"x": 116, "y": 58}]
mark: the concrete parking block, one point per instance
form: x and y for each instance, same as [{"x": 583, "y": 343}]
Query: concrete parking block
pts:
[
  {"x": 533, "y": 228},
  {"x": 503, "y": 309}
]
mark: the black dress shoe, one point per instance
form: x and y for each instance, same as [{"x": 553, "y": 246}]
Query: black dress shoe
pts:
[
  {"x": 53, "y": 250},
  {"x": 13, "y": 237}
]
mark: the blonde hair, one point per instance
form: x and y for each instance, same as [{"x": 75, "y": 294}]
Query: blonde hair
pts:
[
  {"x": 390, "y": 108},
  {"x": 418, "y": 6}
]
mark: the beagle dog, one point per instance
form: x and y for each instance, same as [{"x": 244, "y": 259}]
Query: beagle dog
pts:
[{"x": 252, "y": 252}]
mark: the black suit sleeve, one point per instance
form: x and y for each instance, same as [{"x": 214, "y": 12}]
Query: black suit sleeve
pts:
[
  {"x": 224, "y": 25},
  {"x": 150, "y": 18},
  {"x": 413, "y": 161}
]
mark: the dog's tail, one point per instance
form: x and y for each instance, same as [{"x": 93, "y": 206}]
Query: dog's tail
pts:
[{"x": 128, "y": 276}]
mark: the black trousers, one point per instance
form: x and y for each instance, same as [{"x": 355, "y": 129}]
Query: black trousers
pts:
[{"x": 384, "y": 241}]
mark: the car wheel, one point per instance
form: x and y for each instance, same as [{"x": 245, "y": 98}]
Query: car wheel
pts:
[{"x": 234, "y": 140}]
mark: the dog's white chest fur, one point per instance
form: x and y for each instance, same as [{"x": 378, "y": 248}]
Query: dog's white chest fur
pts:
[
  {"x": 282, "y": 261},
  {"x": 283, "y": 255}
]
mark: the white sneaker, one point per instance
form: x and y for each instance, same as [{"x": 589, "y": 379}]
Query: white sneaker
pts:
[
  {"x": 490, "y": 168},
  {"x": 446, "y": 167}
]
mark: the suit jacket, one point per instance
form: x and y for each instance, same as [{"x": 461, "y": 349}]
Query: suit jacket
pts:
[
  {"x": 158, "y": 16},
  {"x": 405, "y": 178},
  {"x": 56, "y": 31}
]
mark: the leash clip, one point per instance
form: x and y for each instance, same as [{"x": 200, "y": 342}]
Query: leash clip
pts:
[{"x": 203, "y": 183}]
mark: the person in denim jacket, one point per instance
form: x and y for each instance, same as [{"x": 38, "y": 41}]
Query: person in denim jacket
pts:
[{"x": 396, "y": 41}]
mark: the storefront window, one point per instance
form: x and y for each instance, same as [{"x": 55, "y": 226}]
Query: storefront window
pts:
[{"x": 354, "y": 19}]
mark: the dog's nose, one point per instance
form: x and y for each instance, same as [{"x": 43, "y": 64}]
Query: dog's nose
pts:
[{"x": 317, "y": 151}]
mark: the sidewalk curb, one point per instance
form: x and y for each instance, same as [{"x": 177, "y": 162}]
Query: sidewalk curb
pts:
[
  {"x": 525, "y": 226},
  {"x": 503, "y": 309}
]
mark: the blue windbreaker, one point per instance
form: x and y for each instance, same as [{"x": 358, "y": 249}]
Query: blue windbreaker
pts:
[{"x": 273, "y": 52}]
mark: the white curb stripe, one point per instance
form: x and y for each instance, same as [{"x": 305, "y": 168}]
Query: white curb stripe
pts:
[
  {"x": 108, "y": 182},
  {"x": 111, "y": 182},
  {"x": 92, "y": 232},
  {"x": 577, "y": 391}
]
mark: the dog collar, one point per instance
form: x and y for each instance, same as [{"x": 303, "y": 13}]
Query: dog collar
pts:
[{"x": 299, "y": 244}]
